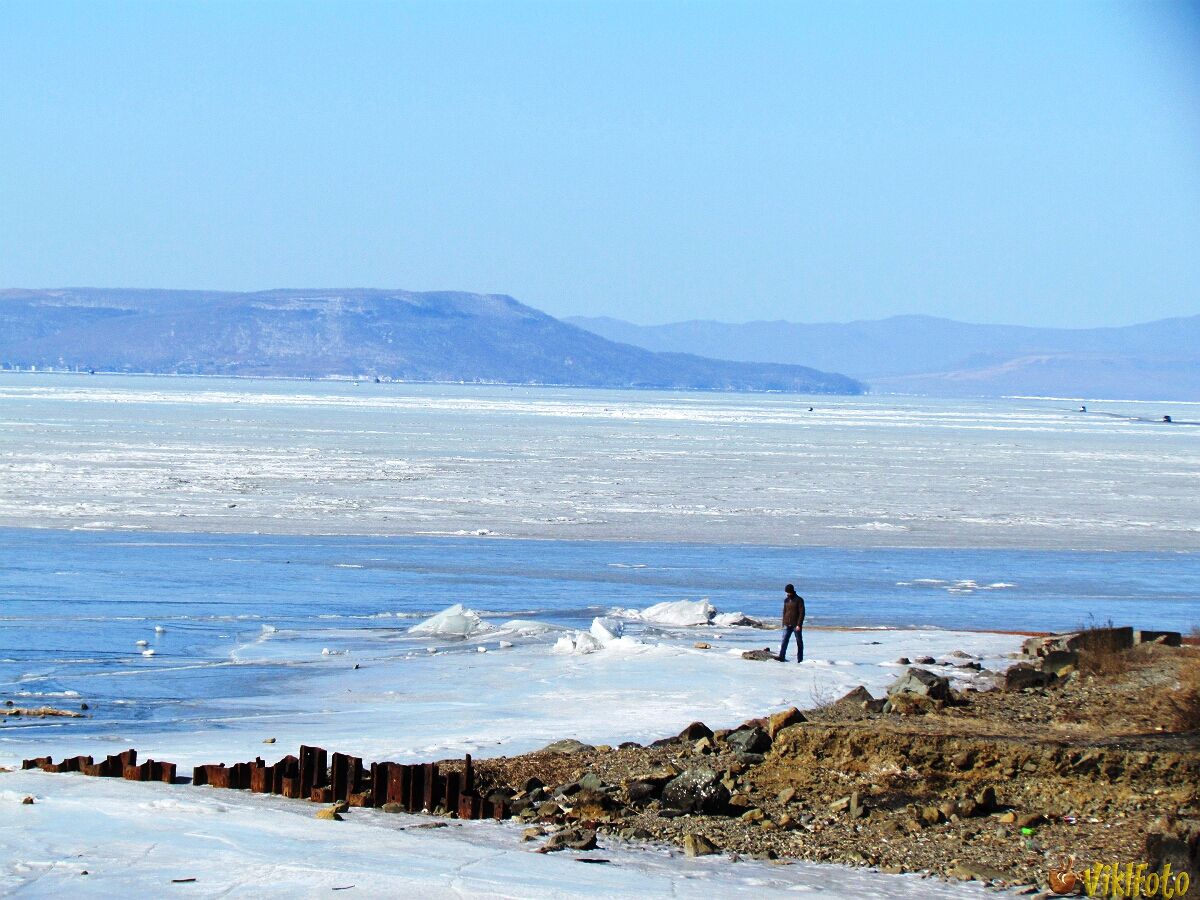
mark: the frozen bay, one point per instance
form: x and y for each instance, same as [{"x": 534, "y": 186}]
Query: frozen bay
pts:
[
  {"x": 234, "y": 455},
  {"x": 208, "y": 563}
]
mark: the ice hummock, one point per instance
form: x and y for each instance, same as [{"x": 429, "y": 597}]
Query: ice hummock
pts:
[
  {"x": 680, "y": 613},
  {"x": 605, "y": 632},
  {"x": 453, "y": 621}
]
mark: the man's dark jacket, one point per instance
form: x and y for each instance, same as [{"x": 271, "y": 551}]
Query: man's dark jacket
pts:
[{"x": 793, "y": 611}]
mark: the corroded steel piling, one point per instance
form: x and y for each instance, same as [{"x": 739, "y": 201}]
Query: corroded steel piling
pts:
[{"x": 313, "y": 775}]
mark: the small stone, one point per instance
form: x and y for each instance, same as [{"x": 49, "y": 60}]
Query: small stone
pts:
[
  {"x": 1008, "y": 818},
  {"x": 393, "y": 807},
  {"x": 591, "y": 781},
  {"x": 931, "y": 815},
  {"x": 904, "y": 661},
  {"x": 704, "y": 745},
  {"x": 925, "y": 660},
  {"x": 533, "y": 833},
  {"x": 754, "y": 814},
  {"x": 27, "y": 801},
  {"x": 763, "y": 655},
  {"x": 329, "y": 812},
  {"x": 787, "y": 795},
  {"x": 571, "y": 839},
  {"x": 1030, "y": 819},
  {"x": 698, "y": 845},
  {"x": 702, "y": 645},
  {"x": 986, "y": 799},
  {"x": 841, "y": 805},
  {"x": 268, "y": 740}
]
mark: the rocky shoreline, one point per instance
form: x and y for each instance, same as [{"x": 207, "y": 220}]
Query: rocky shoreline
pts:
[{"x": 1086, "y": 750}]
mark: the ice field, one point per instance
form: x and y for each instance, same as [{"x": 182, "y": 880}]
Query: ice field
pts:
[{"x": 203, "y": 454}]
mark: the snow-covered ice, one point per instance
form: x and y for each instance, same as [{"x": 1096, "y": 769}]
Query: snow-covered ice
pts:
[
  {"x": 383, "y": 700},
  {"x": 194, "y": 454},
  {"x": 136, "y": 840}
]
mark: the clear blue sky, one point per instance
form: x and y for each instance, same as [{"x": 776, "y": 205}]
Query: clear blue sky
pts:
[{"x": 1017, "y": 162}]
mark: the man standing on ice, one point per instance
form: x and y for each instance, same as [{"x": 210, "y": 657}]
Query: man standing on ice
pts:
[{"x": 793, "y": 623}]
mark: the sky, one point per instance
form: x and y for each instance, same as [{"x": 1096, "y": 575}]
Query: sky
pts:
[{"x": 1029, "y": 163}]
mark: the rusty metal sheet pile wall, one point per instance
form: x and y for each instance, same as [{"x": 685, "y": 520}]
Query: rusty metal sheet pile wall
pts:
[{"x": 313, "y": 775}]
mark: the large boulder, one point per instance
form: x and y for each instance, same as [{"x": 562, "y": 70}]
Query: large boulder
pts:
[
  {"x": 776, "y": 722},
  {"x": 1021, "y": 676},
  {"x": 698, "y": 845},
  {"x": 856, "y": 697},
  {"x": 568, "y": 745},
  {"x": 1094, "y": 640},
  {"x": 922, "y": 683},
  {"x": 696, "y": 790},
  {"x": 749, "y": 740},
  {"x": 695, "y": 732},
  {"x": 643, "y": 790},
  {"x": 1060, "y": 662}
]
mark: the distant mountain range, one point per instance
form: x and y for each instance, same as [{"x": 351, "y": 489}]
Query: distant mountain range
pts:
[
  {"x": 392, "y": 335},
  {"x": 927, "y": 355}
]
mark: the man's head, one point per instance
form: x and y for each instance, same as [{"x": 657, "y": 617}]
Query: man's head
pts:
[{"x": 790, "y": 588}]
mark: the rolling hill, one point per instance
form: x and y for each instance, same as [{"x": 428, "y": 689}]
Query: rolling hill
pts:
[{"x": 395, "y": 335}]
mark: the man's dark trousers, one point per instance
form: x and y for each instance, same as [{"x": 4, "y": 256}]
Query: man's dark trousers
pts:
[{"x": 788, "y": 631}]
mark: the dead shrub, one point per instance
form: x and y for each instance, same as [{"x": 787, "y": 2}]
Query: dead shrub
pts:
[
  {"x": 820, "y": 696},
  {"x": 1104, "y": 655},
  {"x": 1183, "y": 702}
]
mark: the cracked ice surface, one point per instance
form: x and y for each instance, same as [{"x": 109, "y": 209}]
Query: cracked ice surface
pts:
[{"x": 195, "y": 454}]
